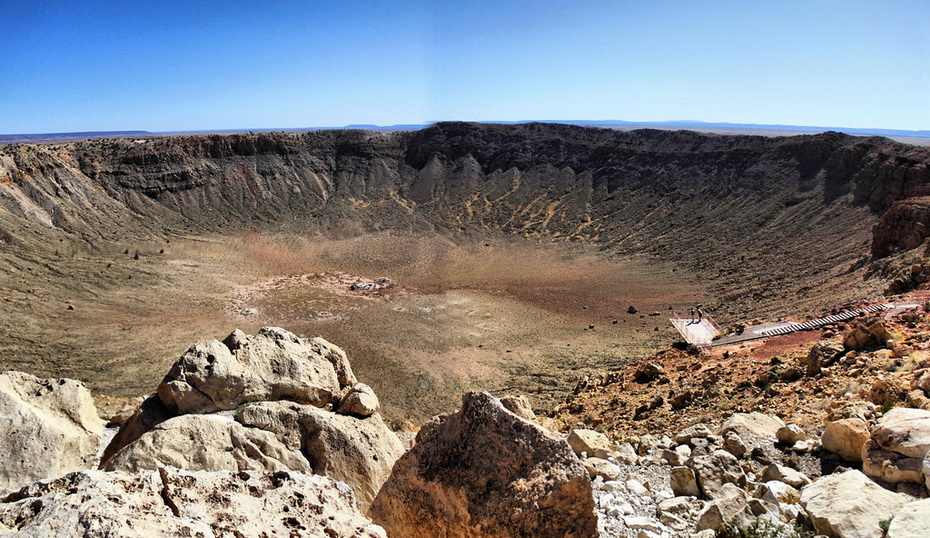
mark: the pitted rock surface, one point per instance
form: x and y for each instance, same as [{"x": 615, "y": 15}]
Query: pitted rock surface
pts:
[
  {"x": 170, "y": 502},
  {"x": 484, "y": 471},
  {"x": 48, "y": 427}
]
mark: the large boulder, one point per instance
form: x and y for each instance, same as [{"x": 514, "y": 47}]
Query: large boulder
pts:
[
  {"x": 273, "y": 365},
  {"x": 48, "y": 427},
  {"x": 748, "y": 425},
  {"x": 171, "y": 502},
  {"x": 519, "y": 405},
  {"x": 846, "y": 437},
  {"x": 683, "y": 482},
  {"x": 785, "y": 475},
  {"x": 298, "y": 406},
  {"x": 482, "y": 472},
  {"x": 848, "y": 504},
  {"x": 899, "y": 442},
  {"x": 912, "y": 520},
  {"x": 360, "y": 452},
  {"x": 905, "y": 431},
  {"x": 207, "y": 443}
]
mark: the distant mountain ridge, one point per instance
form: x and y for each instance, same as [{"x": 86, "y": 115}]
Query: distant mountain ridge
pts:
[
  {"x": 82, "y": 135},
  {"x": 919, "y": 137}
]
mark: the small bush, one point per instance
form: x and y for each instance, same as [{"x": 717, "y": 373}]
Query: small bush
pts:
[{"x": 885, "y": 524}]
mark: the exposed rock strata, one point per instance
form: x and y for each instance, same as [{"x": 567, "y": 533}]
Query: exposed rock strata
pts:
[{"x": 773, "y": 196}]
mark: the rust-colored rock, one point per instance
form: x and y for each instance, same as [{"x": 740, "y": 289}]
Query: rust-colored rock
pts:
[{"x": 484, "y": 471}]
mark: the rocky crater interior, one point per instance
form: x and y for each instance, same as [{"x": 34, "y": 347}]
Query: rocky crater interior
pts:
[{"x": 513, "y": 251}]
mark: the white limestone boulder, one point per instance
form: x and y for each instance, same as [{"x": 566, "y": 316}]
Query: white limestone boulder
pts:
[
  {"x": 753, "y": 424},
  {"x": 898, "y": 444},
  {"x": 207, "y": 443},
  {"x": 170, "y": 502},
  {"x": 848, "y": 504},
  {"x": 48, "y": 427}
]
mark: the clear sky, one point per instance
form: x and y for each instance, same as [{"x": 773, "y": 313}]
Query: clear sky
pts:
[{"x": 165, "y": 65}]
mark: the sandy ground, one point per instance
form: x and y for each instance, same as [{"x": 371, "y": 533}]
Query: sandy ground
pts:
[{"x": 493, "y": 314}]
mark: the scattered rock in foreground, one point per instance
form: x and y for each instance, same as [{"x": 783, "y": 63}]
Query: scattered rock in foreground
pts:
[
  {"x": 748, "y": 425},
  {"x": 48, "y": 427},
  {"x": 171, "y": 502},
  {"x": 484, "y": 471}
]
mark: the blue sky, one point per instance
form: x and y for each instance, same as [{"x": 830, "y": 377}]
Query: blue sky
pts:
[{"x": 187, "y": 65}]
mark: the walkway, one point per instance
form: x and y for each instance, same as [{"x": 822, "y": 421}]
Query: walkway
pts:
[{"x": 702, "y": 336}]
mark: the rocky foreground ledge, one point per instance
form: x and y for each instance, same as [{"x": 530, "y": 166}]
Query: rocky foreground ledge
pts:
[{"x": 273, "y": 435}]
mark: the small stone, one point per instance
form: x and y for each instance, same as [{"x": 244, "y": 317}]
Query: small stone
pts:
[
  {"x": 636, "y": 487},
  {"x": 790, "y": 434},
  {"x": 734, "y": 444},
  {"x": 785, "y": 474},
  {"x": 589, "y": 441}
]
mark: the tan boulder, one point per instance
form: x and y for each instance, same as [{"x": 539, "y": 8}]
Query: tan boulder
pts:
[
  {"x": 849, "y": 504},
  {"x": 273, "y": 365},
  {"x": 905, "y": 431},
  {"x": 207, "y": 443},
  {"x": 866, "y": 335},
  {"x": 754, "y": 424},
  {"x": 846, "y": 437},
  {"x": 48, "y": 427},
  {"x": 171, "y": 502},
  {"x": 884, "y": 391},
  {"x": 683, "y": 482},
  {"x": 778, "y": 492},
  {"x": 360, "y": 452},
  {"x": 784, "y": 474},
  {"x": 695, "y": 431},
  {"x": 280, "y": 384},
  {"x": 725, "y": 508},
  {"x": 790, "y": 434},
  {"x": 589, "y": 441},
  {"x": 899, "y": 443},
  {"x": 483, "y": 472},
  {"x": 602, "y": 468},
  {"x": 890, "y": 466},
  {"x": 917, "y": 399}
]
